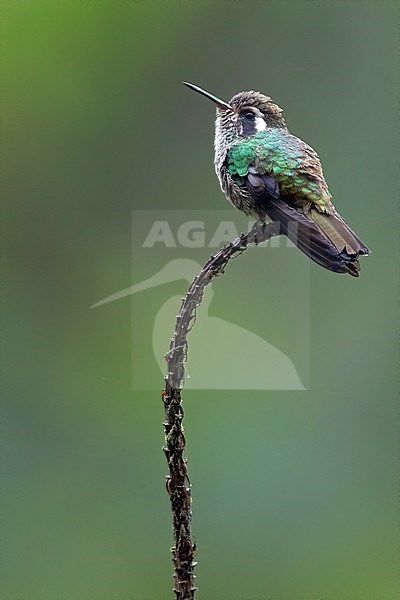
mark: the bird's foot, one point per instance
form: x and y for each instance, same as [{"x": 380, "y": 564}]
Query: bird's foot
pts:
[{"x": 258, "y": 232}]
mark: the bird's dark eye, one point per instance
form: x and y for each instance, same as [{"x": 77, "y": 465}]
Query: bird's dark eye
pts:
[{"x": 249, "y": 115}]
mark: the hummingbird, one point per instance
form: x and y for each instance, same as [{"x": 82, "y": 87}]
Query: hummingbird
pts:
[{"x": 272, "y": 175}]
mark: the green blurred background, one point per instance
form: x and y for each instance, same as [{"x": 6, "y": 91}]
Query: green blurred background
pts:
[{"x": 295, "y": 493}]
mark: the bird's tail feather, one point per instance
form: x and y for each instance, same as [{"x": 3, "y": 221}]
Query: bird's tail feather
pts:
[
  {"x": 338, "y": 231},
  {"x": 325, "y": 238}
]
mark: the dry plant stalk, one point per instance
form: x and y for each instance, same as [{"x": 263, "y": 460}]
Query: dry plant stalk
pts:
[{"x": 178, "y": 483}]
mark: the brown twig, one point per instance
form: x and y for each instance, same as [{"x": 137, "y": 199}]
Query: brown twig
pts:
[{"x": 178, "y": 484}]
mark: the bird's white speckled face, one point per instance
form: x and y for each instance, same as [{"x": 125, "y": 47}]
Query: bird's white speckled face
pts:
[
  {"x": 236, "y": 124},
  {"x": 250, "y": 121},
  {"x": 246, "y": 122}
]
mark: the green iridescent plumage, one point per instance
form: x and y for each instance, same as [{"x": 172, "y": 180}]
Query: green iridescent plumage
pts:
[{"x": 293, "y": 163}]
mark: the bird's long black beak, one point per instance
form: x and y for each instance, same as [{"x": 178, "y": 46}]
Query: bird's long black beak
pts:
[{"x": 220, "y": 103}]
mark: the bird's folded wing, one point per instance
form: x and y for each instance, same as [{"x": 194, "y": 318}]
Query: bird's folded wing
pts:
[{"x": 319, "y": 239}]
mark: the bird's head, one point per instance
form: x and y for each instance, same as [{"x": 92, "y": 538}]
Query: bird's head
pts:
[{"x": 246, "y": 114}]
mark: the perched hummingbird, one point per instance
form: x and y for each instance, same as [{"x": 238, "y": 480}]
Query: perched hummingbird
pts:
[{"x": 270, "y": 174}]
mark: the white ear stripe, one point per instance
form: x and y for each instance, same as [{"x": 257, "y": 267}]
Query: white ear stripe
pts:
[{"x": 260, "y": 124}]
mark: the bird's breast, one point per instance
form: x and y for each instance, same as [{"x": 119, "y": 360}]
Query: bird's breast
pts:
[{"x": 238, "y": 194}]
